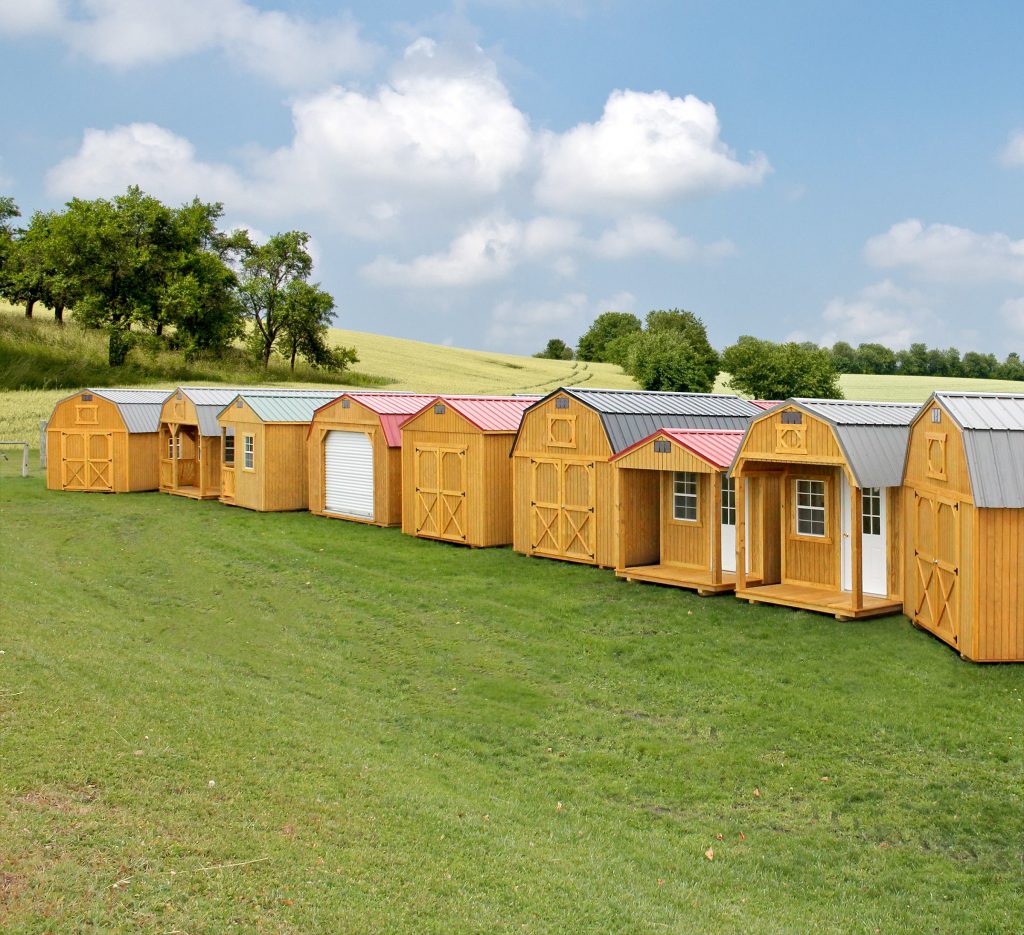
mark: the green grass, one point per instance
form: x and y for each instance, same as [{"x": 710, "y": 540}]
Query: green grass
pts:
[{"x": 216, "y": 720}]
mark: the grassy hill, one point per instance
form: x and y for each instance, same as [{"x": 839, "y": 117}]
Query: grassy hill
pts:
[{"x": 291, "y": 724}]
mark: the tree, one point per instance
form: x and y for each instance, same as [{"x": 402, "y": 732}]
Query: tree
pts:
[
  {"x": 606, "y": 328},
  {"x": 555, "y": 349},
  {"x": 765, "y": 370},
  {"x": 307, "y": 317},
  {"x": 845, "y": 357},
  {"x": 913, "y": 362},
  {"x": 1012, "y": 368},
  {"x": 980, "y": 366},
  {"x": 669, "y": 360},
  {"x": 691, "y": 328},
  {"x": 876, "y": 358}
]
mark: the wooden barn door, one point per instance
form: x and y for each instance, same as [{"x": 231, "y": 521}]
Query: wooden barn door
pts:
[
  {"x": 562, "y": 508},
  {"x": 87, "y": 461},
  {"x": 936, "y": 566},
  {"x": 440, "y": 480}
]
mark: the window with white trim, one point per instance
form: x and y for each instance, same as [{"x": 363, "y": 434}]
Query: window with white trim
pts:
[
  {"x": 871, "y": 511},
  {"x": 684, "y": 496},
  {"x": 728, "y": 501},
  {"x": 229, "y": 449},
  {"x": 810, "y": 507},
  {"x": 248, "y": 450}
]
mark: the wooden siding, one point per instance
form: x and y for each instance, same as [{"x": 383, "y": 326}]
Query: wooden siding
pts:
[
  {"x": 198, "y": 468},
  {"x": 811, "y": 559},
  {"x": 996, "y": 600},
  {"x": 456, "y": 480},
  {"x": 283, "y": 467},
  {"x": 564, "y": 452},
  {"x": 950, "y": 478},
  {"x": 686, "y": 542},
  {"x": 245, "y": 487},
  {"x": 812, "y": 441},
  {"x": 639, "y": 512}
]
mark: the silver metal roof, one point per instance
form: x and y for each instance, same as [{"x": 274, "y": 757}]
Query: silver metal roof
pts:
[
  {"x": 993, "y": 433},
  {"x": 140, "y": 409},
  {"x": 292, "y": 406},
  {"x": 857, "y": 412}
]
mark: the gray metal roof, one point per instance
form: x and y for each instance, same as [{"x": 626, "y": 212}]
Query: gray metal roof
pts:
[
  {"x": 993, "y": 433},
  {"x": 210, "y": 401},
  {"x": 140, "y": 409},
  {"x": 292, "y": 406},
  {"x": 858, "y": 412},
  {"x": 630, "y": 415}
]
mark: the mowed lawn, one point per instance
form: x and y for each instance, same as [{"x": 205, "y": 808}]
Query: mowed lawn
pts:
[{"x": 213, "y": 720}]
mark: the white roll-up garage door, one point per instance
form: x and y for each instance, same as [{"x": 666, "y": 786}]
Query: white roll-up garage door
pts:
[{"x": 348, "y": 471}]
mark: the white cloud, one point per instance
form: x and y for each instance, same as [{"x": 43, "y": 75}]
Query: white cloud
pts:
[
  {"x": 944, "y": 253},
  {"x": 284, "y": 48},
  {"x": 1012, "y": 312},
  {"x": 646, "y": 148},
  {"x": 638, "y": 234},
  {"x": 882, "y": 313},
  {"x": 524, "y": 324},
  {"x": 1012, "y": 154}
]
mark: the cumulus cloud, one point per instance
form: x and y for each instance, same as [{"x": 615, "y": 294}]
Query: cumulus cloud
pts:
[
  {"x": 1012, "y": 312},
  {"x": 638, "y": 234},
  {"x": 1012, "y": 154},
  {"x": 283, "y": 48},
  {"x": 944, "y": 253},
  {"x": 884, "y": 313},
  {"x": 646, "y": 148}
]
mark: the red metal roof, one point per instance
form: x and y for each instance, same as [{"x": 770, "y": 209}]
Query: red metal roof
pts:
[
  {"x": 394, "y": 409},
  {"x": 765, "y": 404},
  {"x": 488, "y": 413},
  {"x": 716, "y": 446}
]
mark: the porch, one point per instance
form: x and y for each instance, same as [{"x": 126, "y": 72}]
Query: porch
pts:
[
  {"x": 701, "y": 580},
  {"x": 842, "y": 605}
]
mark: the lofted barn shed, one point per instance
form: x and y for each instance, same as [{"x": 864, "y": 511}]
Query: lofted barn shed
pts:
[
  {"x": 190, "y": 439},
  {"x": 456, "y": 472},
  {"x": 964, "y": 493},
  {"x": 355, "y": 456},
  {"x": 105, "y": 441},
  {"x": 838, "y": 544},
  {"x": 564, "y": 485},
  {"x": 263, "y": 445},
  {"x": 677, "y": 510}
]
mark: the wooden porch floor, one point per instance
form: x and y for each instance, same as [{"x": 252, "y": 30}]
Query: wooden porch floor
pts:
[
  {"x": 191, "y": 492},
  {"x": 679, "y": 576},
  {"x": 823, "y": 600}
]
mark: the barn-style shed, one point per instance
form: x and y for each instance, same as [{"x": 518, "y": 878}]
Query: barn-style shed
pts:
[
  {"x": 678, "y": 511},
  {"x": 355, "y": 456},
  {"x": 964, "y": 492},
  {"x": 263, "y": 445},
  {"x": 105, "y": 441},
  {"x": 838, "y": 544},
  {"x": 564, "y": 486},
  {"x": 190, "y": 454},
  {"x": 456, "y": 472}
]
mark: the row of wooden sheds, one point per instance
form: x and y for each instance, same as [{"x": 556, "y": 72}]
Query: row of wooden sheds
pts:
[{"x": 849, "y": 508}]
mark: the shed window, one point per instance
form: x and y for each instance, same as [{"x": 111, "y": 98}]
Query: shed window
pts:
[
  {"x": 662, "y": 446},
  {"x": 728, "y": 501},
  {"x": 684, "y": 496},
  {"x": 248, "y": 449},
  {"x": 229, "y": 449},
  {"x": 936, "y": 415},
  {"x": 871, "y": 511},
  {"x": 174, "y": 447},
  {"x": 810, "y": 508}
]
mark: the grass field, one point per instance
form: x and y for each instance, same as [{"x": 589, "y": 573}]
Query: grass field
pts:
[{"x": 215, "y": 720}]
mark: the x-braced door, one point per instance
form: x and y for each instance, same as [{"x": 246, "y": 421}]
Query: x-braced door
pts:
[
  {"x": 562, "y": 508},
  {"x": 937, "y": 566},
  {"x": 440, "y": 478},
  {"x": 87, "y": 461}
]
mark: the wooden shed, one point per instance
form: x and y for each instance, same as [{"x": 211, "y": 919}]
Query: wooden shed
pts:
[
  {"x": 964, "y": 495},
  {"x": 677, "y": 510},
  {"x": 355, "y": 456},
  {"x": 837, "y": 545},
  {"x": 456, "y": 471},
  {"x": 190, "y": 455},
  {"x": 564, "y": 485},
  {"x": 263, "y": 445},
  {"x": 105, "y": 441}
]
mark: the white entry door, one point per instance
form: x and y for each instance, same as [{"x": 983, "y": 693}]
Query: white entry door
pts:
[
  {"x": 728, "y": 508},
  {"x": 348, "y": 474},
  {"x": 872, "y": 518}
]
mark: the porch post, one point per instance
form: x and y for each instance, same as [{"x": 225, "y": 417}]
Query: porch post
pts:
[
  {"x": 174, "y": 456},
  {"x": 741, "y": 531},
  {"x": 715, "y": 519},
  {"x": 857, "y": 546}
]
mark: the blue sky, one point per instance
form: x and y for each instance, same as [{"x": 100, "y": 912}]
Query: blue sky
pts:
[{"x": 491, "y": 174}]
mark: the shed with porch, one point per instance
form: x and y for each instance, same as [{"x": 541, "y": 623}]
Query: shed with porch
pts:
[
  {"x": 677, "y": 511},
  {"x": 105, "y": 441},
  {"x": 456, "y": 471},
  {"x": 355, "y": 456},
  {"x": 838, "y": 548},
  {"x": 964, "y": 493},
  {"x": 564, "y": 486},
  {"x": 263, "y": 449}
]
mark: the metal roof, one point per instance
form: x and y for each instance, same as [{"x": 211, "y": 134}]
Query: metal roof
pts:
[
  {"x": 210, "y": 401},
  {"x": 394, "y": 409},
  {"x": 140, "y": 409},
  {"x": 487, "y": 413},
  {"x": 284, "y": 407},
  {"x": 625, "y": 429},
  {"x": 873, "y": 436},
  {"x": 717, "y": 447},
  {"x": 993, "y": 431},
  {"x": 764, "y": 403}
]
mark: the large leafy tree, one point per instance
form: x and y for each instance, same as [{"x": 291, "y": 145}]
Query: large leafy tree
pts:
[
  {"x": 766, "y": 370},
  {"x": 668, "y": 360},
  {"x": 593, "y": 345},
  {"x": 307, "y": 318},
  {"x": 8, "y": 211},
  {"x": 702, "y": 357}
]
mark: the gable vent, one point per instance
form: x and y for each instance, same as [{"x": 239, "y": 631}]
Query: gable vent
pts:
[
  {"x": 439, "y": 410},
  {"x": 344, "y": 404},
  {"x": 87, "y": 397},
  {"x": 936, "y": 415},
  {"x": 561, "y": 403},
  {"x": 792, "y": 418},
  {"x": 662, "y": 447}
]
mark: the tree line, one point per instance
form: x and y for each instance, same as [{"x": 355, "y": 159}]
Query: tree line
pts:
[{"x": 131, "y": 265}]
